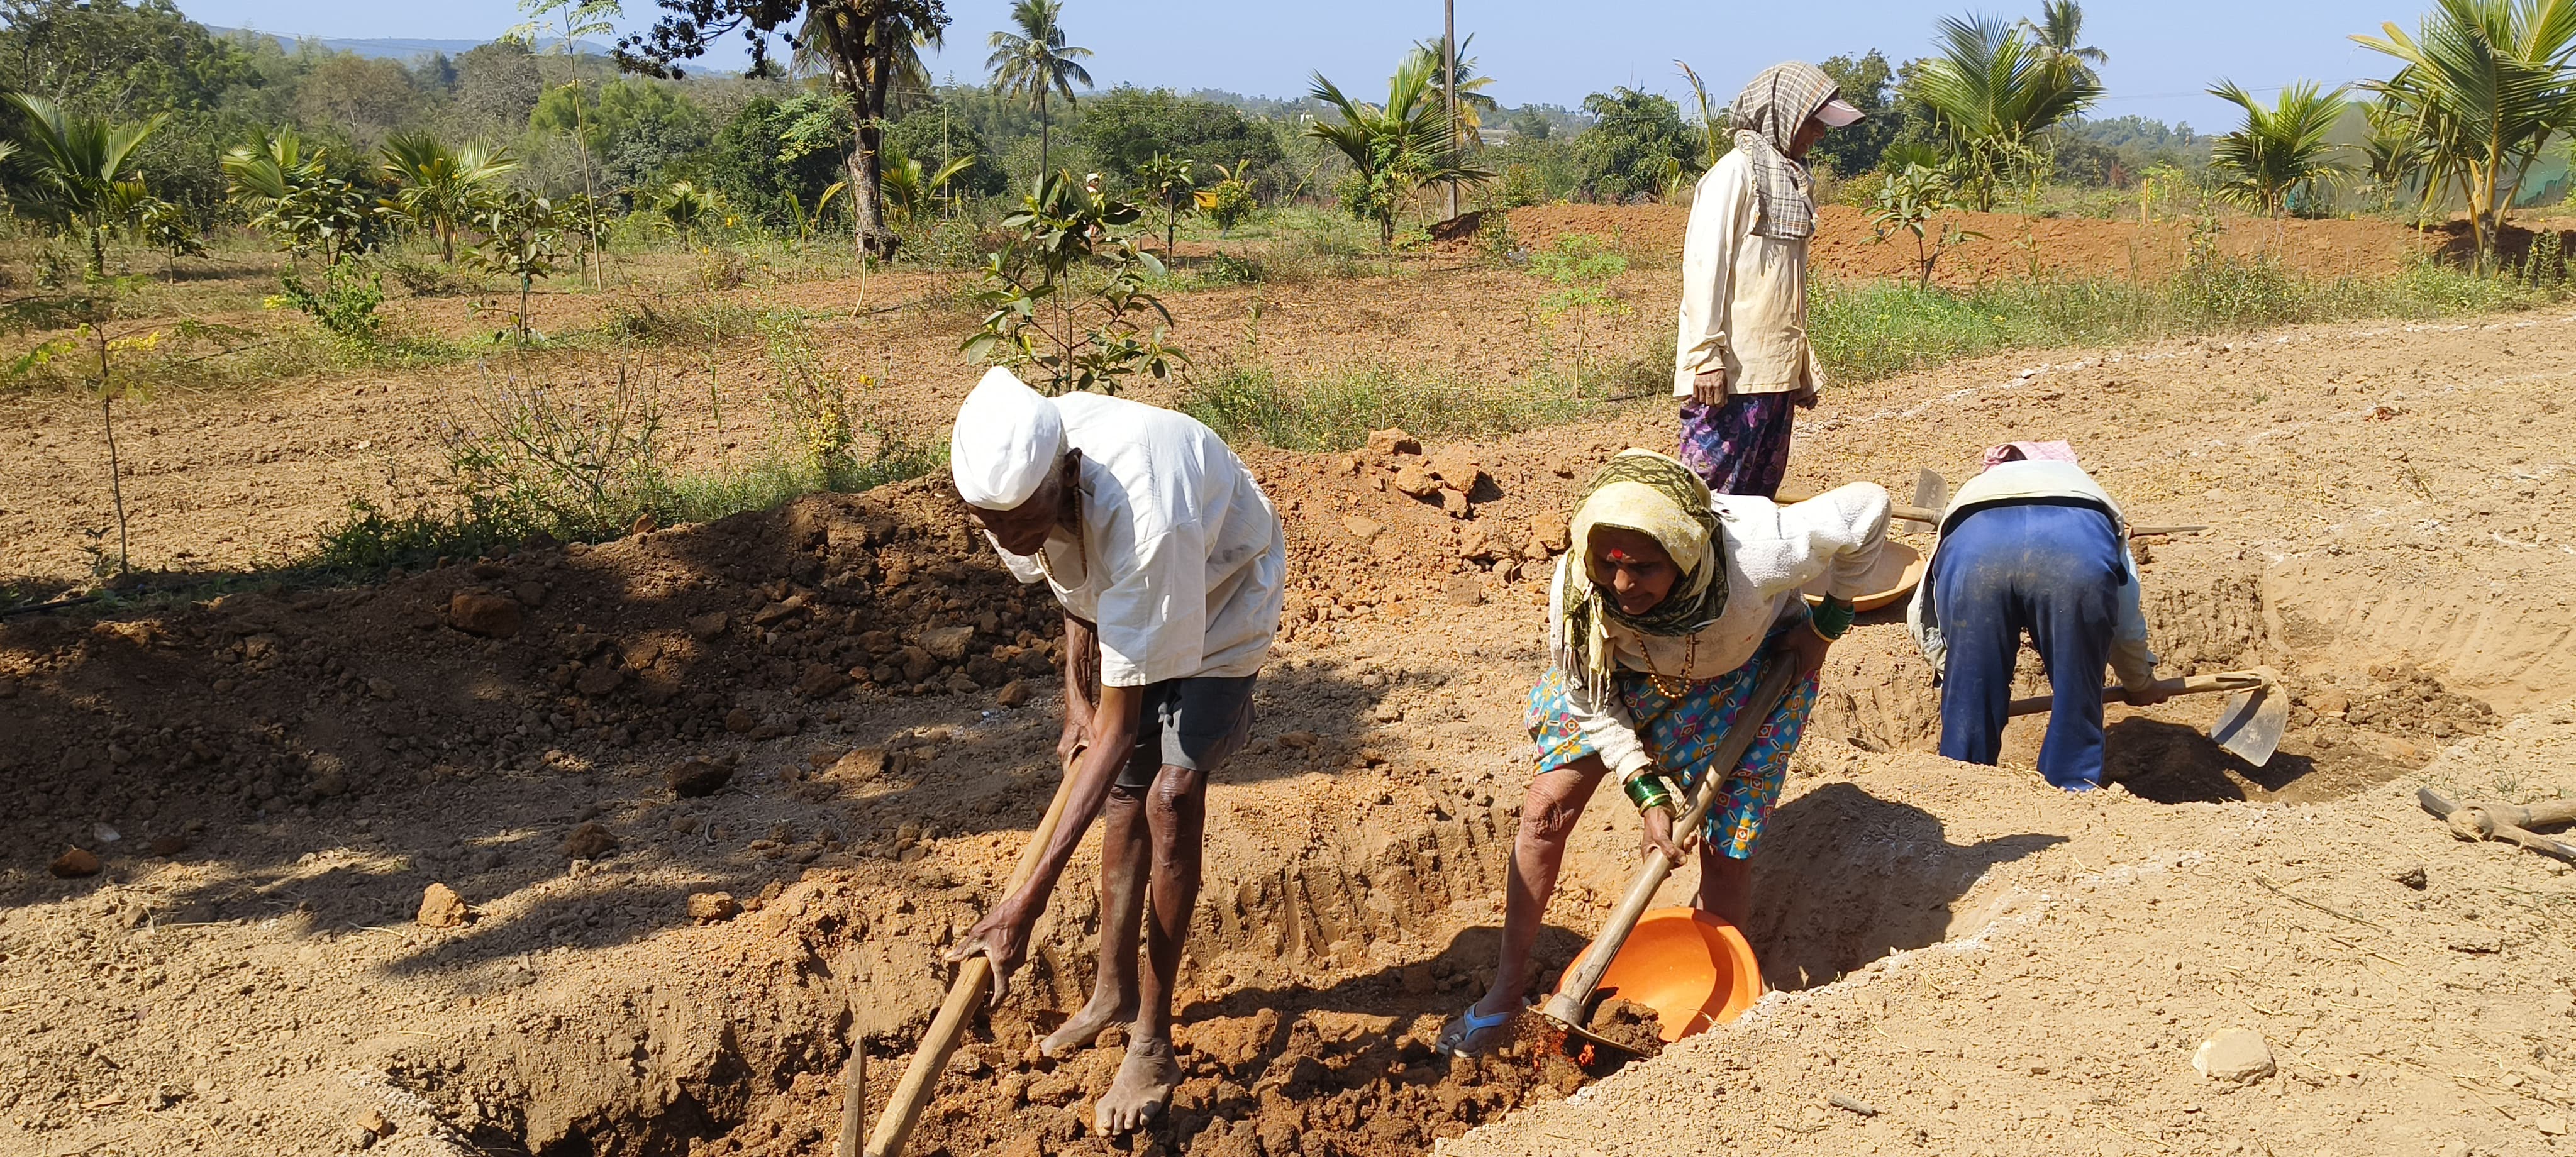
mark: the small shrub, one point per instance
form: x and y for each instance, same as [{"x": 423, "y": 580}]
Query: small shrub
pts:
[
  {"x": 1228, "y": 269},
  {"x": 344, "y": 303}
]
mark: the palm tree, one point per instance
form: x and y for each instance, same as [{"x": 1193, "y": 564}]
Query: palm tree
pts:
[
  {"x": 80, "y": 183},
  {"x": 2486, "y": 83},
  {"x": 909, "y": 186},
  {"x": 1993, "y": 89},
  {"x": 2060, "y": 25},
  {"x": 1393, "y": 148},
  {"x": 442, "y": 183},
  {"x": 2280, "y": 149},
  {"x": 685, "y": 207},
  {"x": 2392, "y": 154},
  {"x": 272, "y": 172},
  {"x": 1036, "y": 62},
  {"x": 1473, "y": 100}
]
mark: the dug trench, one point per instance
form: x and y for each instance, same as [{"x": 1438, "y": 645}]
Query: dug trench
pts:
[{"x": 709, "y": 800}]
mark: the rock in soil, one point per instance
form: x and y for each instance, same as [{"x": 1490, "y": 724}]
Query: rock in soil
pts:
[
  {"x": 73, "y": 864},
  {"x": 2237, "y": 1054},
  {"x": 710, "y": 907},
  {"x": 697, "y": 778},
  {"x": 590, "y": 841},
  {"x": 441, "y": 907},
  {"x": 491, "y": 616}
]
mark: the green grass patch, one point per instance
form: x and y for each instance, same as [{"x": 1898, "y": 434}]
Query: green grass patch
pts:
[
  {"x": 1336, "y": 411},
  {"x": 1864, "y": 331}
]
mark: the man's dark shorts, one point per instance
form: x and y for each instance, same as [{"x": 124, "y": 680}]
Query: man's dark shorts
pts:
[{"x": 1192, "y": 723}]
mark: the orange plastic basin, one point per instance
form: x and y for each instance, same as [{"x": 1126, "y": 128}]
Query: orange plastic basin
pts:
[{"x": 1692, "y": 968}]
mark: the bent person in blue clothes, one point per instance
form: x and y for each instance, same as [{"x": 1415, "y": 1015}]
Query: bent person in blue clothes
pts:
[{"x": 2033, "y": 545}]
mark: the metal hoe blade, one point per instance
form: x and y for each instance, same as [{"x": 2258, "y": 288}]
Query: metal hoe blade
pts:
[{"x": 2249, "y": 726}]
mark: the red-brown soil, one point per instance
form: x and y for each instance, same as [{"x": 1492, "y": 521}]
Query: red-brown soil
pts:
[{"x": 1983, "y": 964}]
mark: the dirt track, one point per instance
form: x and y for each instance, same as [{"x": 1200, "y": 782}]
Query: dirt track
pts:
[{"x": 2381, "y": 499}]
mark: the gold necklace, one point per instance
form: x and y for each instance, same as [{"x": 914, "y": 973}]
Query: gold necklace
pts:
[{"x": 1672, "y": 686}]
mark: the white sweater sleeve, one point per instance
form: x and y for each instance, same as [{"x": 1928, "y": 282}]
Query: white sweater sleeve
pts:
[
  {"x": 1708, "y": 266},
  {"x": 1837, "y": 533},
  {"x": 1610, "y": 730}
]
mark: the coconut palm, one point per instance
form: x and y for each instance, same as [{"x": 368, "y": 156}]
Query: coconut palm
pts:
[
  {"x": 2280, "y": 150},
  {"x": 1393, "y": 148},
  {"x": 442, "y": 183},
  {"x": 1473, "y": 100},
  {"x": 1992, "y": 89},
  {"x": 80, "y": 166},
  {"x": 2392, "y": 152},
  {"x": 2059, "y": 27},
  {"x": 2487, "y": 84},
  {"x": 271, "y": 172},
  {"x": 685, "y": 207},
  {"x": 909, "y": 186},
  {"x": 1035, "y": 63}
]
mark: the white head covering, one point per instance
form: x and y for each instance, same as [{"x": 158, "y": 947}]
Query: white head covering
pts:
[{"x": 1008, "y": 439}]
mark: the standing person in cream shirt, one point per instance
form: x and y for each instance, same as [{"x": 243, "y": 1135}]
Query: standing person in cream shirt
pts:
[{"x": 1742, "y": 365}]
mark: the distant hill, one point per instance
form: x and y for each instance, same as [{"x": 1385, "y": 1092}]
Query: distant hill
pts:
[{"x": 395, "y": 48}]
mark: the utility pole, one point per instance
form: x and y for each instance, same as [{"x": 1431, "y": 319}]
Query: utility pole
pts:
[{"x": 1449, "y": 86}]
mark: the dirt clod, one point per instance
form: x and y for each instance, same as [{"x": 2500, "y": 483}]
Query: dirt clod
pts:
[
  {"x": 2236, "y": 1054},
  {"x": 589, "y": 841},
  {"x": 73, "y": 864},
  {"x": 491, "y": 616},
  {"x": 441, "y": 907},
  {"x": 168, "y": 845},
  {"x": 697, "y": 778},
  {"x": 711, "y": 907},
  {"x": 1629, "y": 1025}
]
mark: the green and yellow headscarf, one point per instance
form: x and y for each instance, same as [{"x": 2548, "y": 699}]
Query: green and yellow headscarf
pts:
[{"x": 1659, "y": 497}]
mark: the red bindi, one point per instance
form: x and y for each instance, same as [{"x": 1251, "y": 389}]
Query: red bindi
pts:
[{"x": 1618, "y": 555}]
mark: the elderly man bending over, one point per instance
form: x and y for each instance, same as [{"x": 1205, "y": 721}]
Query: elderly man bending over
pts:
[{"x": 1172, "y": 569}]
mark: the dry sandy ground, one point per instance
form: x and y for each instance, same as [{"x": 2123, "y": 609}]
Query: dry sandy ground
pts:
[{"x": 1985, "y": 964}]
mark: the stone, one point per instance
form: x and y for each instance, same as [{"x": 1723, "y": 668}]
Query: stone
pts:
[
  {"x": 2413, "y": 878},
  {"x": 1013, "y": 693},
  {"x": 2551, "y": 1124},
  {"x": 598, "y": 679},
  {"x": 2330, "y": 703},
  {"x": 73, "y": 864},
  {"x": 589, "y": 841},
  {"x": 1453, "y": 503},
  {"x": 1551, "y": 532},
  {"x": 1464, "y": 590},
  {"x": 2236, "y": 1054},
  {"x": 697, "y": 778},
  {"x": 1474, "y": 545},
  {"x": 1413, "y": 479},
  {"x": 1362, "y": 529},
  {"x": 380, "y": 688},
  {"x": 441, "y": 907},
  {"x": 917, "y": 663},
  {"x": 708, "y": 626},
  {"x": 491, "y": 616},
  {"x": 740, "y": 720},
  {"x": 947, "y": 644},
  {"x": 376, "y": 1123},
  {"x": 860, "y": 763},
  {"x": 1393, "y": 440},
  {"x": 776, "y": 613},
  {"x": 821, "y": 681},
  {"x": 710, "y": 907},
  {"x": 1457, "y": 469},
  {"x": 169, "y": 845}
]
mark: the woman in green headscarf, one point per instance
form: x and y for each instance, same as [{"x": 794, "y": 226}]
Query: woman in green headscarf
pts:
[{"x": 1665, "y": 610}]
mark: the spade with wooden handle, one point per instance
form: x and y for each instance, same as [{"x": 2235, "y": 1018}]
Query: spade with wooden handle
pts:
[
  {"x": 2249, "y": 724},
  {"x": 965, "y": 995},
  {"x": 2504, "y": 821}
]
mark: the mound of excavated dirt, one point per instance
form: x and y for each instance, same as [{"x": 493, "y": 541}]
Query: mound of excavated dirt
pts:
[{"x": 2061, "y": 246}]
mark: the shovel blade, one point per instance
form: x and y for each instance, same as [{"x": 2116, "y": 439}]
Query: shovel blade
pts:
[
  {"x": 1931, "y": 491},
  {"x": 2249, "y": 726}
]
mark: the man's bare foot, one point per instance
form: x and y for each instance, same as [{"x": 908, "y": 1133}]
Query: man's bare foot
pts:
[
  {"x": 1144, "y": 1086},
  {"x": 1086, "y": 1025}
]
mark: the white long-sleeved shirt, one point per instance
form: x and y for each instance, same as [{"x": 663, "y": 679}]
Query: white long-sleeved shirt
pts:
[
  {"x": 1744, "y": 295},
  {"x": 1770, "y": 551},
  {"x": 2020, "y": 481},
  {"x": 1181, "y": 563}
]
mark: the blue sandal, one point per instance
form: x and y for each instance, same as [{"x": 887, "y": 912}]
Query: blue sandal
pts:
[{"x": 1459, "y": 1038}]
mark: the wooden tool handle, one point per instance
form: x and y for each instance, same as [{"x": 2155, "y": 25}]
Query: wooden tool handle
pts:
[
  {"x": 2192, "y": 685},
  {"x": 1567, "y": 1006},
  {"x": 965, "y": 994}
]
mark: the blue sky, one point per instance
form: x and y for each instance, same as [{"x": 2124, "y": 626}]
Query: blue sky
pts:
[{"x": 2163, "y": 54}]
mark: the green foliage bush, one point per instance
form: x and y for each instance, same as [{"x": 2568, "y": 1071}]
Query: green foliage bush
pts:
[
  {"x": 1637, "y": 144},
  {"x": 1127, "y": 126}
]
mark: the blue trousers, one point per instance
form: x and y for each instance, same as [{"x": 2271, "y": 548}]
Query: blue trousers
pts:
[{"x": 2053, "y": 570}]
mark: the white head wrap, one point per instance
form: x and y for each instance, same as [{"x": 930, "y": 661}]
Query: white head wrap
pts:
[{"x": 1008, "y": 439}]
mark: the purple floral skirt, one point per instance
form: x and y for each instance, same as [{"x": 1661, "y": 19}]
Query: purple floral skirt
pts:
[{"x": 1740, "y": 445}]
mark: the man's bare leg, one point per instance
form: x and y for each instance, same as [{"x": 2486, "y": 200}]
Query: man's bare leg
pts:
[
  {"x": 1549, "y": 812},
  {"x": 1176, "y": 813},
  {"x": 1123, "y": 872},
  {"x": 1726, "y": 888}
]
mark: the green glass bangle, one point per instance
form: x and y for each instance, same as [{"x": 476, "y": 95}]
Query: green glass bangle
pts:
[
  {"x": 1832, "y": 618},
  {"x": 1649, "y": 790}
]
